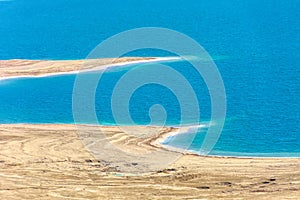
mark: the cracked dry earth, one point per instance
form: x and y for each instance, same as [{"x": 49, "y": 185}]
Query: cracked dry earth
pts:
[{"x": 50, "y": 162}]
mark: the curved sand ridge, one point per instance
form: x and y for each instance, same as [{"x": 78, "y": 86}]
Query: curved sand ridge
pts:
[{"x": 50, "y": 162}]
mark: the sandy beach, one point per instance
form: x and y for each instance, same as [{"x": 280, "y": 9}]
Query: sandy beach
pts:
[
  {"x": 40, "y": 68},
  {"x": 50, "y": 162}
]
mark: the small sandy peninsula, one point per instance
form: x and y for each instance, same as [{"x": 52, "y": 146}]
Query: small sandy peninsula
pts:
[
  {"x": 24, "y": 68},
  {"x": 49, "y": 161}
]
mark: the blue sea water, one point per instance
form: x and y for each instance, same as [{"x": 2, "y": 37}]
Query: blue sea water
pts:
[{"x": 256, "y": 45}]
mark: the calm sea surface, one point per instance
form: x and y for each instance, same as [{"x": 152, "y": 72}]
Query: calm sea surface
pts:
[{"x": 256, "y": 46}]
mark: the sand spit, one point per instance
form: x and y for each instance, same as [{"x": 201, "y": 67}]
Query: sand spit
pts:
[{"x": 40, "y": 68}]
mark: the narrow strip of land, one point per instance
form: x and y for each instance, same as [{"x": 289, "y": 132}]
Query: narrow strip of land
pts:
[{"x": 25, "y": 68}]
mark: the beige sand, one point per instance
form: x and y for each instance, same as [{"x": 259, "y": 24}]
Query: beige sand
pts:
[
  {"x": 50, "y": 162},
  {"x": 15, "y": 68}
]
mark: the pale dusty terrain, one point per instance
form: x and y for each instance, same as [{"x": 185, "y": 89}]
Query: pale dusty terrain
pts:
[{"x": 50, "y": 162}]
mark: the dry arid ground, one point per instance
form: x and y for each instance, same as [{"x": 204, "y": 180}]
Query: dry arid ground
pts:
[{"x": 50, "y": 162}]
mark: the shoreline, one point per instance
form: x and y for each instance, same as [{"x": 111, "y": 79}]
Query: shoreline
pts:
[
  {"x": 36, "y": 69},
  {"x": 88, "y": 65},
  {"x": 157, "y": 140},
  {"x": 50, "y": 161}
]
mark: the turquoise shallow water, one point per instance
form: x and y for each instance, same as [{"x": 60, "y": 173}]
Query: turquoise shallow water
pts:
[{"x": 255, "y": 44}]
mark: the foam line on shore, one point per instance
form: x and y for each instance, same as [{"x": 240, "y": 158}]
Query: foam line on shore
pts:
[
  {"x": 185, "y": 129},
  {"x": 99, "y": 68}
]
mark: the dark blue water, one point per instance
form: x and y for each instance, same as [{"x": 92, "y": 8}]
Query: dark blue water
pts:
[{"x": 256, "y": 45}]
